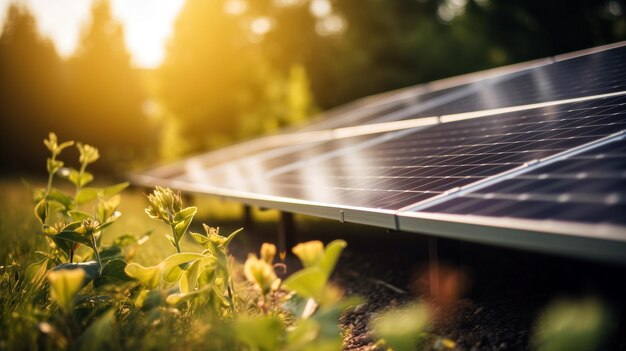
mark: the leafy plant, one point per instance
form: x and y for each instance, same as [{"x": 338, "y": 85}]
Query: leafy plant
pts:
[
  {"x": 573, "y": 325},
  {"x": 64, "y": 221},
  {"x": 404, "y": 328},
  {"x": 85, "y": 295}
]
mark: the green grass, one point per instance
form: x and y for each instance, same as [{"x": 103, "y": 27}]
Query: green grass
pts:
[
  {"x": 28, "y": 320},
  {"x": 117, "y": 317}
]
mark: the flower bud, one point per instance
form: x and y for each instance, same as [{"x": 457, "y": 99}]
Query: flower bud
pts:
[
  {"x": 259, "y": 273},
  {"x": 310, "y": 253},
  {"x": 268, "y": 251}
]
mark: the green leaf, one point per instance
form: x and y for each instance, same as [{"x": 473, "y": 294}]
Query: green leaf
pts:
[
  {"x": 86, "y": 195},
  {"x": 260, "y": 333},
  {"x": 189, "y": 279},
  {"x": 308, "y": 282},
  {"x": 573, "y": 325},
  {"x": 52, "y": 166},
  {"x": 38, "y": 194},
  {"x": 78, "y": 215},
  {"x": 73, "y": 236},
  {"x": 181, "y": 227},
  {"x": 148, "y": 276},
  {"x": 331, "y": 256},
  {"x": 64, "y": 286},
  {"x": 72, "y": 176},
  {"x": 40, "y": 211},
  {"x": 199, "y": 238},
  {"x": 64, "y": 199},
  {"x": 106, "y": 208},
  {"x": 113, "y": 273},
  {"x": 170, "y": 239},
  {"x": 124, "y": 240},
  {"x": 305, "y": 332},
  {"x": 78, "y": 179},
  {"x": 185, "y": 213},
  {"x": 100, "y": 334},
  {"x": 64, "y": 145},
  {"x": 91, "y": 269},
  {"x": 35, "y": 272},
  {"x": 85, "y": 179},
  {"x": 72, "y": 226},
  {"x": 232, "y": 236},
  {"x": 176, "y": 298},
  {"x": 110, "y": 253},
  {"x": 46, "y": 255},
  {"x": 114, "y": 189},
  {"x": 110, "y": 220},
  {"x": 170, "y": 270},
  {"x": 403, "y": 328},
  {"x": 63, "y": 244}
]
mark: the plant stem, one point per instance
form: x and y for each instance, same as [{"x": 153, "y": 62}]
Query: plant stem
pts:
[
  {"x": 79, "y": 184},
  {"x": 48, "y": 188},
  {"x": 175, "y": 239},
  {"x": 95, "y": 250}
]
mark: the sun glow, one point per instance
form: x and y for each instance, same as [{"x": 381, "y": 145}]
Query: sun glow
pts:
[{"x": 147, "y": 24}]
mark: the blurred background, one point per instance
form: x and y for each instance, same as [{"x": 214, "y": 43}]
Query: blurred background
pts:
[{"x": 153, "y": 80}]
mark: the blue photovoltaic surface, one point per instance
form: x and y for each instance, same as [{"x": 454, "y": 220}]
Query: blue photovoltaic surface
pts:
[
  {"x": 399, "y": 169},
  {"x": 586, "y": 187}
]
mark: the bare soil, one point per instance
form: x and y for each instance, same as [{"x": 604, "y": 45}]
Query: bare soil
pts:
[{"x": 488, "y": 298}]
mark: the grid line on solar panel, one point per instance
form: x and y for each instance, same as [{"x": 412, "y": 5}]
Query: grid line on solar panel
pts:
[
  {"x": 441, "y": 157},
  {"x": 587, "y": 186}
]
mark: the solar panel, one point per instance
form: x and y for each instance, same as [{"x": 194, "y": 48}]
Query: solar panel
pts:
[
  {"x": 587, "y": 186},
  {"x": 398, "y": 169},
  {"x": 600, "y": 73},
  {"x": 473, "y": 158}
]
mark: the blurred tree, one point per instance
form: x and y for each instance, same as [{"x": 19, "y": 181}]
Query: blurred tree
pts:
[
  {"x": 217, "y": 84},
  {"x": 30, "y": 83},
  {"x": 105, "y": 98},
  {"x": 203, "y": 78}
]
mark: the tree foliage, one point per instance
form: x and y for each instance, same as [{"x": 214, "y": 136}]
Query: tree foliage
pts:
[
  {"x": 105, "y": 91},
  {"x": 95, "y": 95},
  {"x": 30, "y": 73}
]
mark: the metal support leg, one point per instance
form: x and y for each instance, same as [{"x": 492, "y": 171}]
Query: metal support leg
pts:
[
  {"x": 433, "y": 267},
  {"x": 248, "y": 223},
  {"x": 286, "y": 229}
]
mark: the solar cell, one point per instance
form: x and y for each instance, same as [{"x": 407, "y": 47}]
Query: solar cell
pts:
[{"x": 588, "y": 187}]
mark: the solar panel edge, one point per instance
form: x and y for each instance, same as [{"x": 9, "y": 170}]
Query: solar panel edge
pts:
[
  {"x": 565, "y": 238},
  {"x": 610, "y": 245},
  {"x": 579, "y": 53},
  {"x": 352, "y": 214}
]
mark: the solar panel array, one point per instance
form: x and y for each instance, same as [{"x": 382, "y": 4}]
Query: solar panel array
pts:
[{"x": 536, "y": 149}]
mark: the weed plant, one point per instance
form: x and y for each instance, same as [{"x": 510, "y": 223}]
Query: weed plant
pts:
[{"x": 81, "y": 294}]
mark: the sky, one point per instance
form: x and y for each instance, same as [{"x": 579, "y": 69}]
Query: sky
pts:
[{"x": 147, "y": 24}]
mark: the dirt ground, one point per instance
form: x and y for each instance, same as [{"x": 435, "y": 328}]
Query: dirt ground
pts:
[{"x": 488, "y": 298}]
